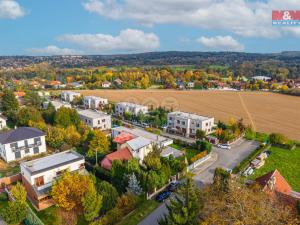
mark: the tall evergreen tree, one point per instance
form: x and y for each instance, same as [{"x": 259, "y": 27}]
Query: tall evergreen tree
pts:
[
  {"x": 221, "y": 180},
  {"x": 184, "y": 208},
  {"x": 92, "y": 203},
  {"x": 134, "y": 185}
]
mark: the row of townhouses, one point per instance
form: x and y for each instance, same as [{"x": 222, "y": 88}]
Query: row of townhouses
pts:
[{"x": 132, "y": 108}]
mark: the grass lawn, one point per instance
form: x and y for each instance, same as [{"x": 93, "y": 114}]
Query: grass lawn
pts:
[
  {"x": 143, "y": 210},
  {"x": 287, "y": 162},
  {"x": 176, "y": 146},
  {"x": 8, "y": 169},
  {"x": 48, "y": 216}
]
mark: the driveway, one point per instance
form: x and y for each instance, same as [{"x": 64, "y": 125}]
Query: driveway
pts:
[{"x": 205, "y": 172}]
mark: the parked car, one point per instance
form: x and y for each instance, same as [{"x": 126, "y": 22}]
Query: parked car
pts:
[
  {"x": 161, "y": 197},
  {"x": 173, "y": 186},
  {"x": 224, "y": 146},
  {"x": 145, "y": 125}
]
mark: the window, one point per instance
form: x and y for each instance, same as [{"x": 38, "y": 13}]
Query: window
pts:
[
  {"x": 59, "y": 173},
  {"x": 103, "y": 120},
  {"x": 183, "y": 123},
  {"x": 37, "y": 140},
  {"x": 81, "y": 166},
  {"x": 26, "y": 150},
  {"x": 26, "y": 143},
  {"x": 36, "y": 150},
  {"x": 98, "y": 121},
  {"x": 14, "y": 145},
  {"x": 17, "y": 155},
  {"x": 39, "y": 181},
  {"x": 178, "y": 121},
  {"x": 206, "y": 124}
]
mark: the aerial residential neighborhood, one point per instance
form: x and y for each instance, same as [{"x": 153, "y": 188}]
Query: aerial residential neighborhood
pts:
[{"x": 125, "y": 112}]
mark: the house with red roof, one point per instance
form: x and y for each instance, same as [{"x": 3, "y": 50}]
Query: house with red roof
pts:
[
  {"x": 274, "y": 184},
  {"x": 123, "y": 154},
  {"x": 122, "y": 138}
]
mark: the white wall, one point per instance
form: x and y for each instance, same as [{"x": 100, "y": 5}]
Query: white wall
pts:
[
  {"x": 50, "y": 174},
  {"x": 8, "y": 155}
]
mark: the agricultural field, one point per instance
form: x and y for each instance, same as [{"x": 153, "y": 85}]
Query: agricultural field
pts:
[{"x": 265, "y": 111}]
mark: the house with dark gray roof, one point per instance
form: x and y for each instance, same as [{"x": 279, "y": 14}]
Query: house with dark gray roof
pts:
[{"x": 21, "y": 142}]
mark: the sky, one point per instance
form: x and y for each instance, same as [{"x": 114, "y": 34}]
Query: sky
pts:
[{"x": 67, "y": 27}]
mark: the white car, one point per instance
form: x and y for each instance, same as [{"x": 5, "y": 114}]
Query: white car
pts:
[{"x": 224, "y": 146}]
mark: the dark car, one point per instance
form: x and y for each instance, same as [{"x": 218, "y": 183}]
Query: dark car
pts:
[
  {"x": 173, "y": 186},
  {"x": 163, "y": 196}
]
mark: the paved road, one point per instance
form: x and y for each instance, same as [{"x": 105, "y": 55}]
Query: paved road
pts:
[{"x": 204, "y": 173}]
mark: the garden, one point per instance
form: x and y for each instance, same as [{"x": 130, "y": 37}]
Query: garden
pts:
[{"x": 286, "y": 162}]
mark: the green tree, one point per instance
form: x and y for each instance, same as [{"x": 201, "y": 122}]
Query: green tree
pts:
[
  {"x": 55, "y": 136},
  {"x": 72, "y": 136},
  {"x": 26, "y": 114},
  {"x": 134, "y": 185},
  {"x": 98, "y": 144},
  {"x": 16, "y": 210},
  {"x": 9, "y": 103},
  {"x": 184, "y": 208},
  {"x": 276, "y": 138},
  {"x": 221, "y": 180},
  {"x": 200, "y": 134},
  {"x": 32, "y": 99},
  {"x": 65, "y": 117},
  {"x": 117, "y": 174},
  {"x": 109, "y": 196},
  {"x": 92, "y": 203},
  {"x": 49, "y": 114}
]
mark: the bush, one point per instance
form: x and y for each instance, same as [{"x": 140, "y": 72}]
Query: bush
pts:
[
  {"x": 276, "y": 138},
  {"x": 199, "y": 156}
]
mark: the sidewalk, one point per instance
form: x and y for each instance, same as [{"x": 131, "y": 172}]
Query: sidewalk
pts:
[{"x": 206, "y": 164}]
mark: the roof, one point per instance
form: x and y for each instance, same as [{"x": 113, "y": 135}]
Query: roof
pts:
[
  {"x": 94, "y": 97},
  {"x": 19, "y": 93},
  {"x": 91, "y": 113},
  {"x": 106, "y": 82},
  {"x": 138, "y": 143},
  {"x": 130, "y": 104},
  {"x": 189, "y": 115},
  {"x": 140, "y": 132},
  {"x": 52, "y": 161},
  {"x": 280, "y": 184},
  {"x": 123, "y": 137},
  {"x": 19, "y": 134},
  {"x": 55, "y": 82},
  {"x": 122, "y": 154}
]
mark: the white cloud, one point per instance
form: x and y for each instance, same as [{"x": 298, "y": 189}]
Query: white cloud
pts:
[
  {"x": 10, "y": 9},
  {"x": 54, "y": 50},
  {"x": 221, "y": 43},
  {"x": 242, "y": 17},
  {"x": 128, "y": 40}
]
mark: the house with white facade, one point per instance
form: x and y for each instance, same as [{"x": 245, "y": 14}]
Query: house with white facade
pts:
[
  {"x": 56, "y": 104},
  {"x": 187, "y": 124},
  {"x": 94, "y": 102},
  {"x": 106, "y": 84},
  {"x": 95, "y": 119},
  {"x": 21, "y": 142},
  {"x": 132, "y": 108},
  {"x": 3, "y": 120},
  {"x": 38, "y": 175},
  {"x": 68, "y": 96}
]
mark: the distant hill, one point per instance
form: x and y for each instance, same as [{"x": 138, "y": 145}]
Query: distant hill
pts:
[{"x": 290, "y": 60}]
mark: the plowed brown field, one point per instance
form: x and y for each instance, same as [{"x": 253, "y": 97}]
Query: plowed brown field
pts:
[{"x": 266, "y": 112}]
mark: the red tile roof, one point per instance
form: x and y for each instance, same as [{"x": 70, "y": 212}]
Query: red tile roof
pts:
[
  {"x": 123, "y": 138},
  {"x": 19, "y": 93},
  {"x": 122, "y": 154},
  {"x": 280, "y": 184}
]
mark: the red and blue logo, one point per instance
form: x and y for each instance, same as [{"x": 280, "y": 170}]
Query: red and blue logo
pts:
[{"x": 286, "y": 17}]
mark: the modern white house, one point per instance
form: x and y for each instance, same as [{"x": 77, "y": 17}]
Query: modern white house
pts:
[
  {"x": 38, "y": 175},
  {"x": 68, "y": 96},
  {"x": 106, "y": 84},
  {"x": 95, "y": 119},
  {"x": 140, "y": 147},
  {"x": 3, "y": 120},
  {"x": 187, "y": 124},
  {"x": 21, "y": 142},
  {"x": 56, "y": 104},
  {"x": 132, "y": 108},
  {"x": 94, "y": 102},
  {"x": 136, "y": 132}
]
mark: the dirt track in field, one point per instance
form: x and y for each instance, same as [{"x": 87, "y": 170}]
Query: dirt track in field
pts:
[{"x": 266, "y": 112}]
